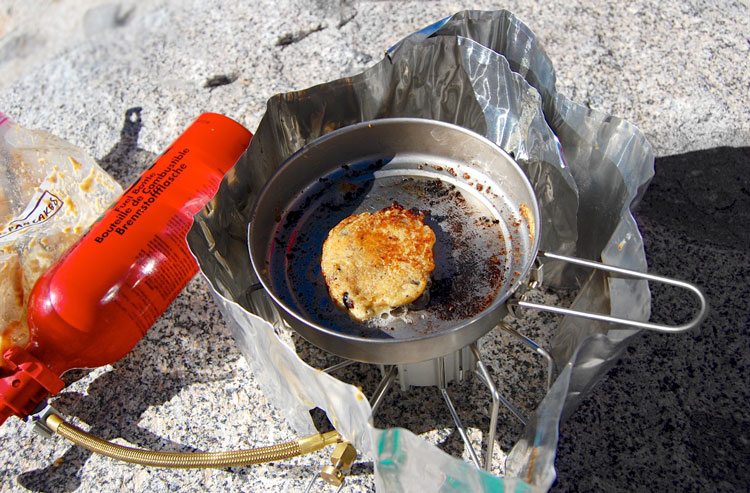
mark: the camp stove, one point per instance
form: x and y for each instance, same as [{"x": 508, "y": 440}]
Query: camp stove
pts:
[
  {"x": 513, "y": 352},
  {"x": 457, "y": 367},
  {"x": 555, "y": 177}
]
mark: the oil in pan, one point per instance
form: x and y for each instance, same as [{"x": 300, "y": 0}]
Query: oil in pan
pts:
[{"x": 471, "y": 248}]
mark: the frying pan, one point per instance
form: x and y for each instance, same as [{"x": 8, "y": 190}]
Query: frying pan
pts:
[{"x": 475, "y": 197}]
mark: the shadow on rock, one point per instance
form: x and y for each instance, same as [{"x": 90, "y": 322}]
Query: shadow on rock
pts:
[
  {"x": 115, "y": 401},
  {"x": 126, "y": 161},
  {"x": 673, "y": 414}
]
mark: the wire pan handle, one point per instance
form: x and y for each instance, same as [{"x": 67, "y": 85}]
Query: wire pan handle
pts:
[{"x": 702, "y": 312}]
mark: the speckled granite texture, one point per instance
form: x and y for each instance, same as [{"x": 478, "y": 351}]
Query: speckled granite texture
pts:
[{"x": 671, "y": 416}]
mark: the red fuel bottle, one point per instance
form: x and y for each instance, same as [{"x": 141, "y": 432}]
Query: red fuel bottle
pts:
[{"x": 101, "y": 297}]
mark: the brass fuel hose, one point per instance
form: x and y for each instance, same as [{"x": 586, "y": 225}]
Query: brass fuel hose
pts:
[{"x": 191, "y": 460}]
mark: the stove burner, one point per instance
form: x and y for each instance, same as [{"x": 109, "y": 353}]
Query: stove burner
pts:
[
  {"x": 437, "y": 372},
  {"x": 456, "y": 366}
]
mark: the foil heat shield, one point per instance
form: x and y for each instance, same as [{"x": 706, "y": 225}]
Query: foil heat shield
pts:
[{"x": 487, "y": 72}]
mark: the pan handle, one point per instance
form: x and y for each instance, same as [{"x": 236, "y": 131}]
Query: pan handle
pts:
[{"x": 626, "y": 273}]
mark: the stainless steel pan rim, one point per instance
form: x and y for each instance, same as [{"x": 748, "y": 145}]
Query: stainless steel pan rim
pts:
[{"x": 428, "y": 165}]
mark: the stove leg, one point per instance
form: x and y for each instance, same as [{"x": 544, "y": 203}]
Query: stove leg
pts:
[
  {"x": 497, "y": 398},
  {"x": 454, "y": 415},
  {"x": 534, "y": 347},
  {"x": 339, "y": 365},
  {"x": 383, "y": 386},
  {"x": 485, "y": 377}
]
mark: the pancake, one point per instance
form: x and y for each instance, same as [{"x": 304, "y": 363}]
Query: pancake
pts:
[{"x": 373, "y": 263}]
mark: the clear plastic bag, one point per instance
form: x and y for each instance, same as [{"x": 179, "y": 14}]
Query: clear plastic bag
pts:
[{"x": 50, "y": 193}]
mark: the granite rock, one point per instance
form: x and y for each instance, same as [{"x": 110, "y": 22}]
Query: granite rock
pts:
[{"x": 123, "y": 79}]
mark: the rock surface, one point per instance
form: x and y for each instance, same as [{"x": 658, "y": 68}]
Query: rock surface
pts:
[{"x": 123, "y": 79}]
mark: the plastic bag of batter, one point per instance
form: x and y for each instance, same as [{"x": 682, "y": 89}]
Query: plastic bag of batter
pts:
[{"x": 50, "y": 193}]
